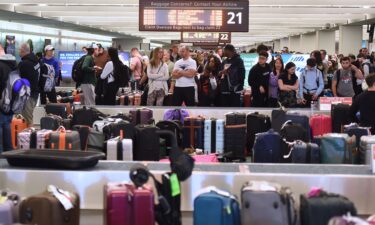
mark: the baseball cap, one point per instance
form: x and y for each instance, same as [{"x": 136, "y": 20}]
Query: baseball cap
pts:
[
  {"x": 93, "y": 45},
  {"x": 49, "y": 48}
]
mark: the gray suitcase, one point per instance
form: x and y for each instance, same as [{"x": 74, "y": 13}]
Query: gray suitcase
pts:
[
  {"x": 9, "y": 204},
  {"x": 266, "y": 203},
  {"x": 118, "y": 149},
  {"x": 365, "y": 149}
]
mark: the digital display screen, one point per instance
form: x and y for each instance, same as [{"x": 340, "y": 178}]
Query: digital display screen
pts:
[
  {"x": 206, "y": 37},
  {"x": 215, "y": 15}
]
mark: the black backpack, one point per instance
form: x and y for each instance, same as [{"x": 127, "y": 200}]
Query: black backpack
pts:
[
  {"x": 124, "y": 76},
  {"x": 77, "y": 75},
  {"x": 357, "y": 88}
]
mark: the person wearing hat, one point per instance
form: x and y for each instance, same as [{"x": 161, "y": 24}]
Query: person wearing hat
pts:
[
  {"x": 49, "y": 58},
  {"x": 89, "y": 70}
]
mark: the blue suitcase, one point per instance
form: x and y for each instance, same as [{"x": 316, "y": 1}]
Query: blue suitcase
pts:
[
  {"x": 213, "y": 136},
  {"x": 268, "y": 147},
  {"x": 303, "y": 120},
  {"x": 216, "y": 207}
]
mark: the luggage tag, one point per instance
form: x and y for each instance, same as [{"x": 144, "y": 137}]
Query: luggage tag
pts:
[
  {"x": 64, "y": 197},
  {"x": 3, "y": 197},
  {"x": 175, "y": 185}
]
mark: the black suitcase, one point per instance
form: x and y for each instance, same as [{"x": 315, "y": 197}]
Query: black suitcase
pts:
[
  {"x": 51, "y": 122},
  {"x": 235, "y": 142},
  {"x": 256, "y": 123},
  {"x": 235, "y": 118},
  {"x": 173, "y": 126},
  {"x": 193, "y": 133},
  {"x": 268, "y": 148},
  {"x": 278, "y": 119},
  {"x": 87, "y": 116},
  {"x": 121, "y": 128},
  {"x": 60, "y": 109},
  {"x": 304, "y": 153},
  {"x": 303, "y": 120},
  {"x": 123, "y": 116},
  {"x": 340, "y": 117},
  {"x": 293, "y": 132}
]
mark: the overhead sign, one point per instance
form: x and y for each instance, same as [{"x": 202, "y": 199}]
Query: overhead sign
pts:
[
  {"x": 216, "y": 38},
  {"x": 200, "y": 16}
]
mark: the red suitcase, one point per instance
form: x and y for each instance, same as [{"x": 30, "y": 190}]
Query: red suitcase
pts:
[
  {"x": 124, "y": 204},
  {"x": 320, "y": 125}
]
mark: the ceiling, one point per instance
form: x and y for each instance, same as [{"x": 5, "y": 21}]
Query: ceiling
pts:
[{"x": 269, "y": 19}]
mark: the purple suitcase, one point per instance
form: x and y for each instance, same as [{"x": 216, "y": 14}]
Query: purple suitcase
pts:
[
  {"x": 9, "y": 204},
  {"x": 141, "y": 116}
]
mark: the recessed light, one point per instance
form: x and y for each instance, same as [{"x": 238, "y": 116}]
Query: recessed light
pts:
[{"x": 366, "y": 7}]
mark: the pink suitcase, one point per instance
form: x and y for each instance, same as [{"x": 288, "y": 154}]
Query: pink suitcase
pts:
[
  {"x": 31, "y": 138},
  {"x": 126, "y": 205},
  {"x": 211, "y": 158},
  {"x": 320, "y": 125}
]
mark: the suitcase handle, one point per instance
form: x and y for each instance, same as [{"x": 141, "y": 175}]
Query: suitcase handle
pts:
[
  {"x": 61, "y": 129},
  {"x": 169, "y": 135}
]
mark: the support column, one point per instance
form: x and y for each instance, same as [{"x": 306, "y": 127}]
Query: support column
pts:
[
  {"x": 284, "y": 42},
  {"x": 295, "y": 43},
  {"x": 277, "y": 45},
  {"x": 308, "y": 42},
  {"x": 350, "y": 39},
  {"x": 326, "y": 39}
]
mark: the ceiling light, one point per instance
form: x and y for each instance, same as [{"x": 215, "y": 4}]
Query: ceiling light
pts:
[
  {"x": 366, "y": 7},
  {"x": 42, "y": 5}
]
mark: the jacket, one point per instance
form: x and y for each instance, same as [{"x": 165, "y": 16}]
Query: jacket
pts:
[
  {"x": 7, "y": 65},
  {"x": 88, "y": 71},
  {"x": 259, "y": 76},
  {"x": 30, "y": 69},
  {"x": 236, "y": 74},
  {"x": 311, "y": 82}
]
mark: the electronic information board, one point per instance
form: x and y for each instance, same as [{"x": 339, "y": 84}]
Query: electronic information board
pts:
[
  {"x": 206, "y": 37},
  {"x": 198, "y": 16}
]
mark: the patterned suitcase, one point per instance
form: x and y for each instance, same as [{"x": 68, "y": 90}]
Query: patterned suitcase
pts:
[
  {"x": 18, "y": 124},
  {"x": 193, "y": 132},
  {"x": 141, "y": 116},
  {"x": 62, "y": 139},
  {"x": 31, "y": 138},
  {"x": 320, "y": 125},
  {"x": 51, "y": 122},
  {"x": 9, "y": 203},
  {"x": 125, "y": 204},
  {"x": 119, "y": 149},
  {"x": 213, "y": 136}
]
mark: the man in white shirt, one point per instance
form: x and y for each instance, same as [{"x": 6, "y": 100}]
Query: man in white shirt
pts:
[{"x": 184, "y": 72}]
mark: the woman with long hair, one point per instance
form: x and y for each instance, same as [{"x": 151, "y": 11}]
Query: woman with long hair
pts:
[
  {"x": 273, "y": 88},
  {"x": 158, "y": 75},
  {"x": 208, "y": 82},
  {"x": 115, "y": 74},
  {"x": 288, "y": 86}
]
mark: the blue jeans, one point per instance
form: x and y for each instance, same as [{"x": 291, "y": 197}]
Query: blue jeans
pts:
[{"x": 5, "y": 132}]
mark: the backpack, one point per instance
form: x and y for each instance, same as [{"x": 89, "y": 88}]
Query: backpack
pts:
[
  {"x": 357, "y": 88},
  {"x": 77, "y": 75},
  {"x": 15, "y": 94},
  {"x": 47, "y": 77},
  {"x": 124, "y": 76}
]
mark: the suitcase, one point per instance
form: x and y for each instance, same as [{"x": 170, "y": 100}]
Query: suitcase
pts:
[
  {"x": 125, "y": 204},
  {"x": 59, "y": 109},
  {"x": 293, "y": 131},
  {"x": 119, "y": 149},
  {"x": 216, "y": 207},
  {"x": 247, "y": 99},
  {"x": 173, "y": 126},
  {"x": 121, "y": 128},
  {"x": 267, "y": 147},
  {"x": 123, "y": 116},
  {"x": 67, "y": 123},
  {"x": 235, "y": 142},
  {"x": 325, "y": 205},
  {"x": 266, "y": 203},
  {"x": 337, "y": 149},
  {"x": 51, "y": 122},
  {"x": 68, "y": 99},
  {"x": 303, "y": 120},
  {"x": 87, "y": 116},
  {"x": 193, "y": 133},
  {"x": 176, "y": 114},
  {"x": 100, "y": 124},
  {"x": 320, "y": 125},
  {"x": 278, "y": 119},
  {"x": 95, "y": 141},
  {"x": 365, "y": 156},
  {"x": 235, "y": 118},
  {"x": 340, "y": 117},
  {"x": 31, "y": 138},
  {"x": 62, "y": 139},
  {"x": 213, "y": 136},
  {"x": 256, "y": 123},
  {"x": 141, "y": 116},
  {"x": 18, "y": 124},
  {"x": 46, "y": 209},
  {"x": 354, "y": 129},
  {"x": 9, "y": 203},
  {"x": 305, "y": 153}
]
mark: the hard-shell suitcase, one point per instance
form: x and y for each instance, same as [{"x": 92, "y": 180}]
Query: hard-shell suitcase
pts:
[
  {"x": 213, "y": 136},
  {"x": 31, "y": 138},
  {"x": 340, "y": 117},
  {"x": 51, "y": 122},
  {"x": 325, "y": 205},
  {"x": 141, "y": 116},
  {"x": 267, "y": 147},
  {"x": 235, "y": 118},
  {"x": 216, "y": 207},
  {"x": 303, "y": 120},
  {"x": 18, "y": 124},
  {"x": 119, "y": 149},
  {"x": 125, "y": 204},
  {"x": 320, "y": 125},
  {"x": 365, "y": 149},
  {"x": 95, "y": 141},
  {"x": 293, "y": 132},
  {"x": 357, "y": 131},
  {"x": 65, "y": 139},
  {"x": 60, "y": 109},
  {"x": 337, "y": 149},
  {"x": 87, "y": 116},
  {"x": 278, "y": 118},
  {"x": 9, "y": 203},
  {"x": 100, "y": 124},
  {"x": 256, "y": 123},
  {"x": 173, "y": 126},
  {"x": 266, "y": 203},
  {"x": 235, "y": 142},
  {"x": 122, "y": 128},
  {"x": 304, "y": 153},
  {"x": 46, "y": 209},
  {"x": 193, "y": 132}
]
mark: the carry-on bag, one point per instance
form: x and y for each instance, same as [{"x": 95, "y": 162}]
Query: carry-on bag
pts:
[
  {"x": 213, "y": 136},
  {"x": 100, "y": 124},
  {"x": 354, "y": 129},
  {"x": 51, "y": 122},
  {"x": 305, "y": 153},
  {"x": 31, "y": 138},
  {"x": 278, "y": 118},
  {"x": 122, "y": 128},
  {"x": 235, "y": 142},
  {"x": 95, "y": 141},
  {"x": 59, "y": 109},
  {"x": 235, "y": 118},
  {"x": 174, "y": 126},
  {"x": 216, "y": 207},
  {"x": 87, "y": 116},
  {"x": 256, "y": 123},
  {"x": 338, "y": 149},
  {"x": 265, "y": 203},
  {"x": 124, "y": 204},
  {"x": 365, "y": 156},
  {"x": 176, "y": 114},
  {"x": 141, "y": 116},
  {"x": 18, "y": 124},
  {"x": 303, "y": 120},
  {"x": 320, "y": 125},
  {"x": 293, "y": 131},
  {"x": 64, "y": 139},
  {"x": 119, "y": 149},
  {"x": 268, "y": 147},
  {"x": 53, "y": 206},
  {"x": 193, "y": 132},
  {"x": 9, "y": 204},
  {"x": 326, "y": 205},
  {"x": 340, "y": 117}
]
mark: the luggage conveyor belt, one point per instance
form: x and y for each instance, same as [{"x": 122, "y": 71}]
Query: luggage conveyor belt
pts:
[
  {"x": 158, "y": 112},
  {"x": 355, "y": 182}
]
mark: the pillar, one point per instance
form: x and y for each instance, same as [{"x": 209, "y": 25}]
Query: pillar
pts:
[
  {"x": 284, "y": 42},
  {"x": 350, "y": 39},
  {"x": 295, "y": 43},
  {"x": 308, "y": 42},
  {"x": 326, "y": 39},
  {"x": 277, "y": 45}
]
